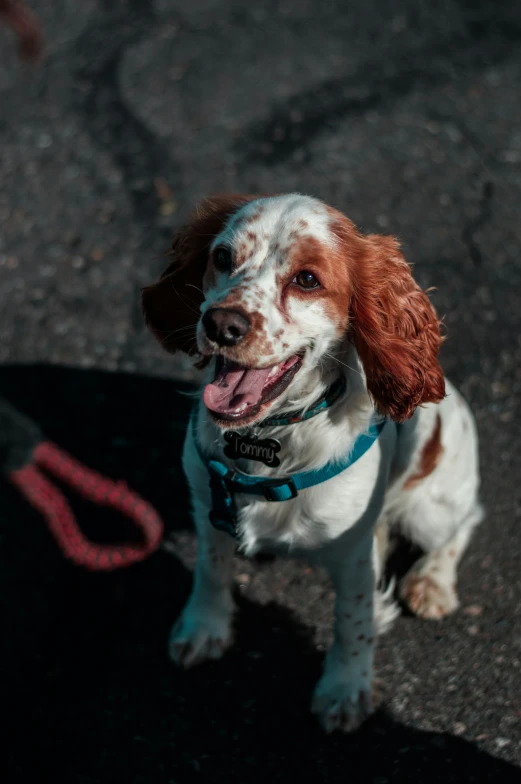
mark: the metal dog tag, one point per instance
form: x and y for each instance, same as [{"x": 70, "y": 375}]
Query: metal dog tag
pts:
[{"x": 264, "y": 450}]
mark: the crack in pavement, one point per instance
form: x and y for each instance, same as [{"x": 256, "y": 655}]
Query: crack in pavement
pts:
[
  {"x": 303, "y": 117},
  {"x": 496, "y": 181},
  {"x": 138, "y": 153},
  {"x": 484, "y": 215}
]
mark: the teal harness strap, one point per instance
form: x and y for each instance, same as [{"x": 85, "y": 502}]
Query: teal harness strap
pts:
[{"x": 225, "y": 482}]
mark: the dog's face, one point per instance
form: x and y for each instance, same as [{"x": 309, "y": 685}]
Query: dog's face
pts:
[
  {"x": 272, "y": 286},
  {"x": 273, "y": 303}
]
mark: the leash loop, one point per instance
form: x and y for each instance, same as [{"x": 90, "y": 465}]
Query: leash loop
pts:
[{"x": 39, "y": 491}]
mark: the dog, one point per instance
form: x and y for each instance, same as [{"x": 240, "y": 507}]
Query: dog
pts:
[{"x": 324, "y": 422}]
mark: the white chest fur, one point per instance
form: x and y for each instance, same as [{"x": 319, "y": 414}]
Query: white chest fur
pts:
[{"x": 319, "y": 515}]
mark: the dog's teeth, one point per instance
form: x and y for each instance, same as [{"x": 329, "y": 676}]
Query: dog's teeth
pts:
[
  {"x": 273, "y": 370},
  {"x": 240, "y": 408}
]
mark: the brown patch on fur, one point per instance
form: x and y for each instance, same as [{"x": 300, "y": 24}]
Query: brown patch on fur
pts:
[
  {"x": 243, "y": 222},
  {"x": 241, "y": 254},
  {"x": 247, "y": 248},
  {"x": 171, "y": 306},
  {"x": 308, "y": 253},
  {"x": 429, "y": 458},
  {"x": 393, "y": 324},
  {"x": 233, "y": 302},
  {"x": 255, "y": 215}
]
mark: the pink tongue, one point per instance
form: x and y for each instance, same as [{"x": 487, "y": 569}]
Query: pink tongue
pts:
[{"x": 234, "y": 386}]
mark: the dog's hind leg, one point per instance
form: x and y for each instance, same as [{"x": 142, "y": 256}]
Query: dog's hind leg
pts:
[{"x": 429, "y": 588}]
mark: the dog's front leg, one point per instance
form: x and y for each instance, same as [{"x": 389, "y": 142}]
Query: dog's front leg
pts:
[
  {"x": 204, "y": 628},
  {"x": 343, "y": 696}
]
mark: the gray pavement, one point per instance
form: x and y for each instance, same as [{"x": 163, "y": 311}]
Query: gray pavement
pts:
[{"x": 407, "y": 117}]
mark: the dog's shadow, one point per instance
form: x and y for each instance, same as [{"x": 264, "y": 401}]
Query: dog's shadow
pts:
[{"x": 88, "y": 692}]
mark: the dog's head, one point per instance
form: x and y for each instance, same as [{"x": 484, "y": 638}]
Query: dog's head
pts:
[{"x": 271, "y": 286}]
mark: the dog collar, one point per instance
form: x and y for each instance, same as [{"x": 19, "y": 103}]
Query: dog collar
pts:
[
  {"x": 329, "y": 397},
  {"x": 225, "y": 482}
]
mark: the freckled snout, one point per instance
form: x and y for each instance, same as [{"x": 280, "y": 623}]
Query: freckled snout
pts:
[{"x": 225, "y": 327}]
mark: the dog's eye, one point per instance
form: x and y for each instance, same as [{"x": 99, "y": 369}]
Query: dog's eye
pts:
[
  {"x": 306, "y": 280},
  {"x": 222, "y": 258}
]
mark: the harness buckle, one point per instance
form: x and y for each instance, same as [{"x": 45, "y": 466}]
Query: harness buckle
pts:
[
  {"x": 274, "y": 490},
  {"x": 224, "y": 522},
  {"x": 223, "y": 515}
]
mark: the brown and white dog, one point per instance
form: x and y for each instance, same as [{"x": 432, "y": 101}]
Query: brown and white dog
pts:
[{"x": 278, "y": 297}]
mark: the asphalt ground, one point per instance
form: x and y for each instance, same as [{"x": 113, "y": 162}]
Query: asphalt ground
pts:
[{"x": 406, "y": 116}]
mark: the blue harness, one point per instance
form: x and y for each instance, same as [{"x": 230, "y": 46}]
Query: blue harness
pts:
[{"x": 225, "y": 482}]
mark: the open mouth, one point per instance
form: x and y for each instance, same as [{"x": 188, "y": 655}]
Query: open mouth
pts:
[{"x": 237, "y": 394}]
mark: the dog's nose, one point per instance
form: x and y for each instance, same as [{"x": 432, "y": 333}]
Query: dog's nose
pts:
[{"x": 225, "y": 327}]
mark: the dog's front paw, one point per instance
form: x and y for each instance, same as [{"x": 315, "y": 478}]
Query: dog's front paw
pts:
[
  {"x": 342, "y": 704},
  {"x": 427, "y": 597},
  {"x": 200, "y": 634}
]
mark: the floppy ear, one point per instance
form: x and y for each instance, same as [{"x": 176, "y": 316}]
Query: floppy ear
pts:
[
  {"x": 395, "y": 330},
  {"x": 171, "y": 306}
]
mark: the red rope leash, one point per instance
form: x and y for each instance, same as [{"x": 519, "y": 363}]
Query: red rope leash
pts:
[
  {"x": 25, "y": 26},
  {"x": 50, "y": 501}
]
